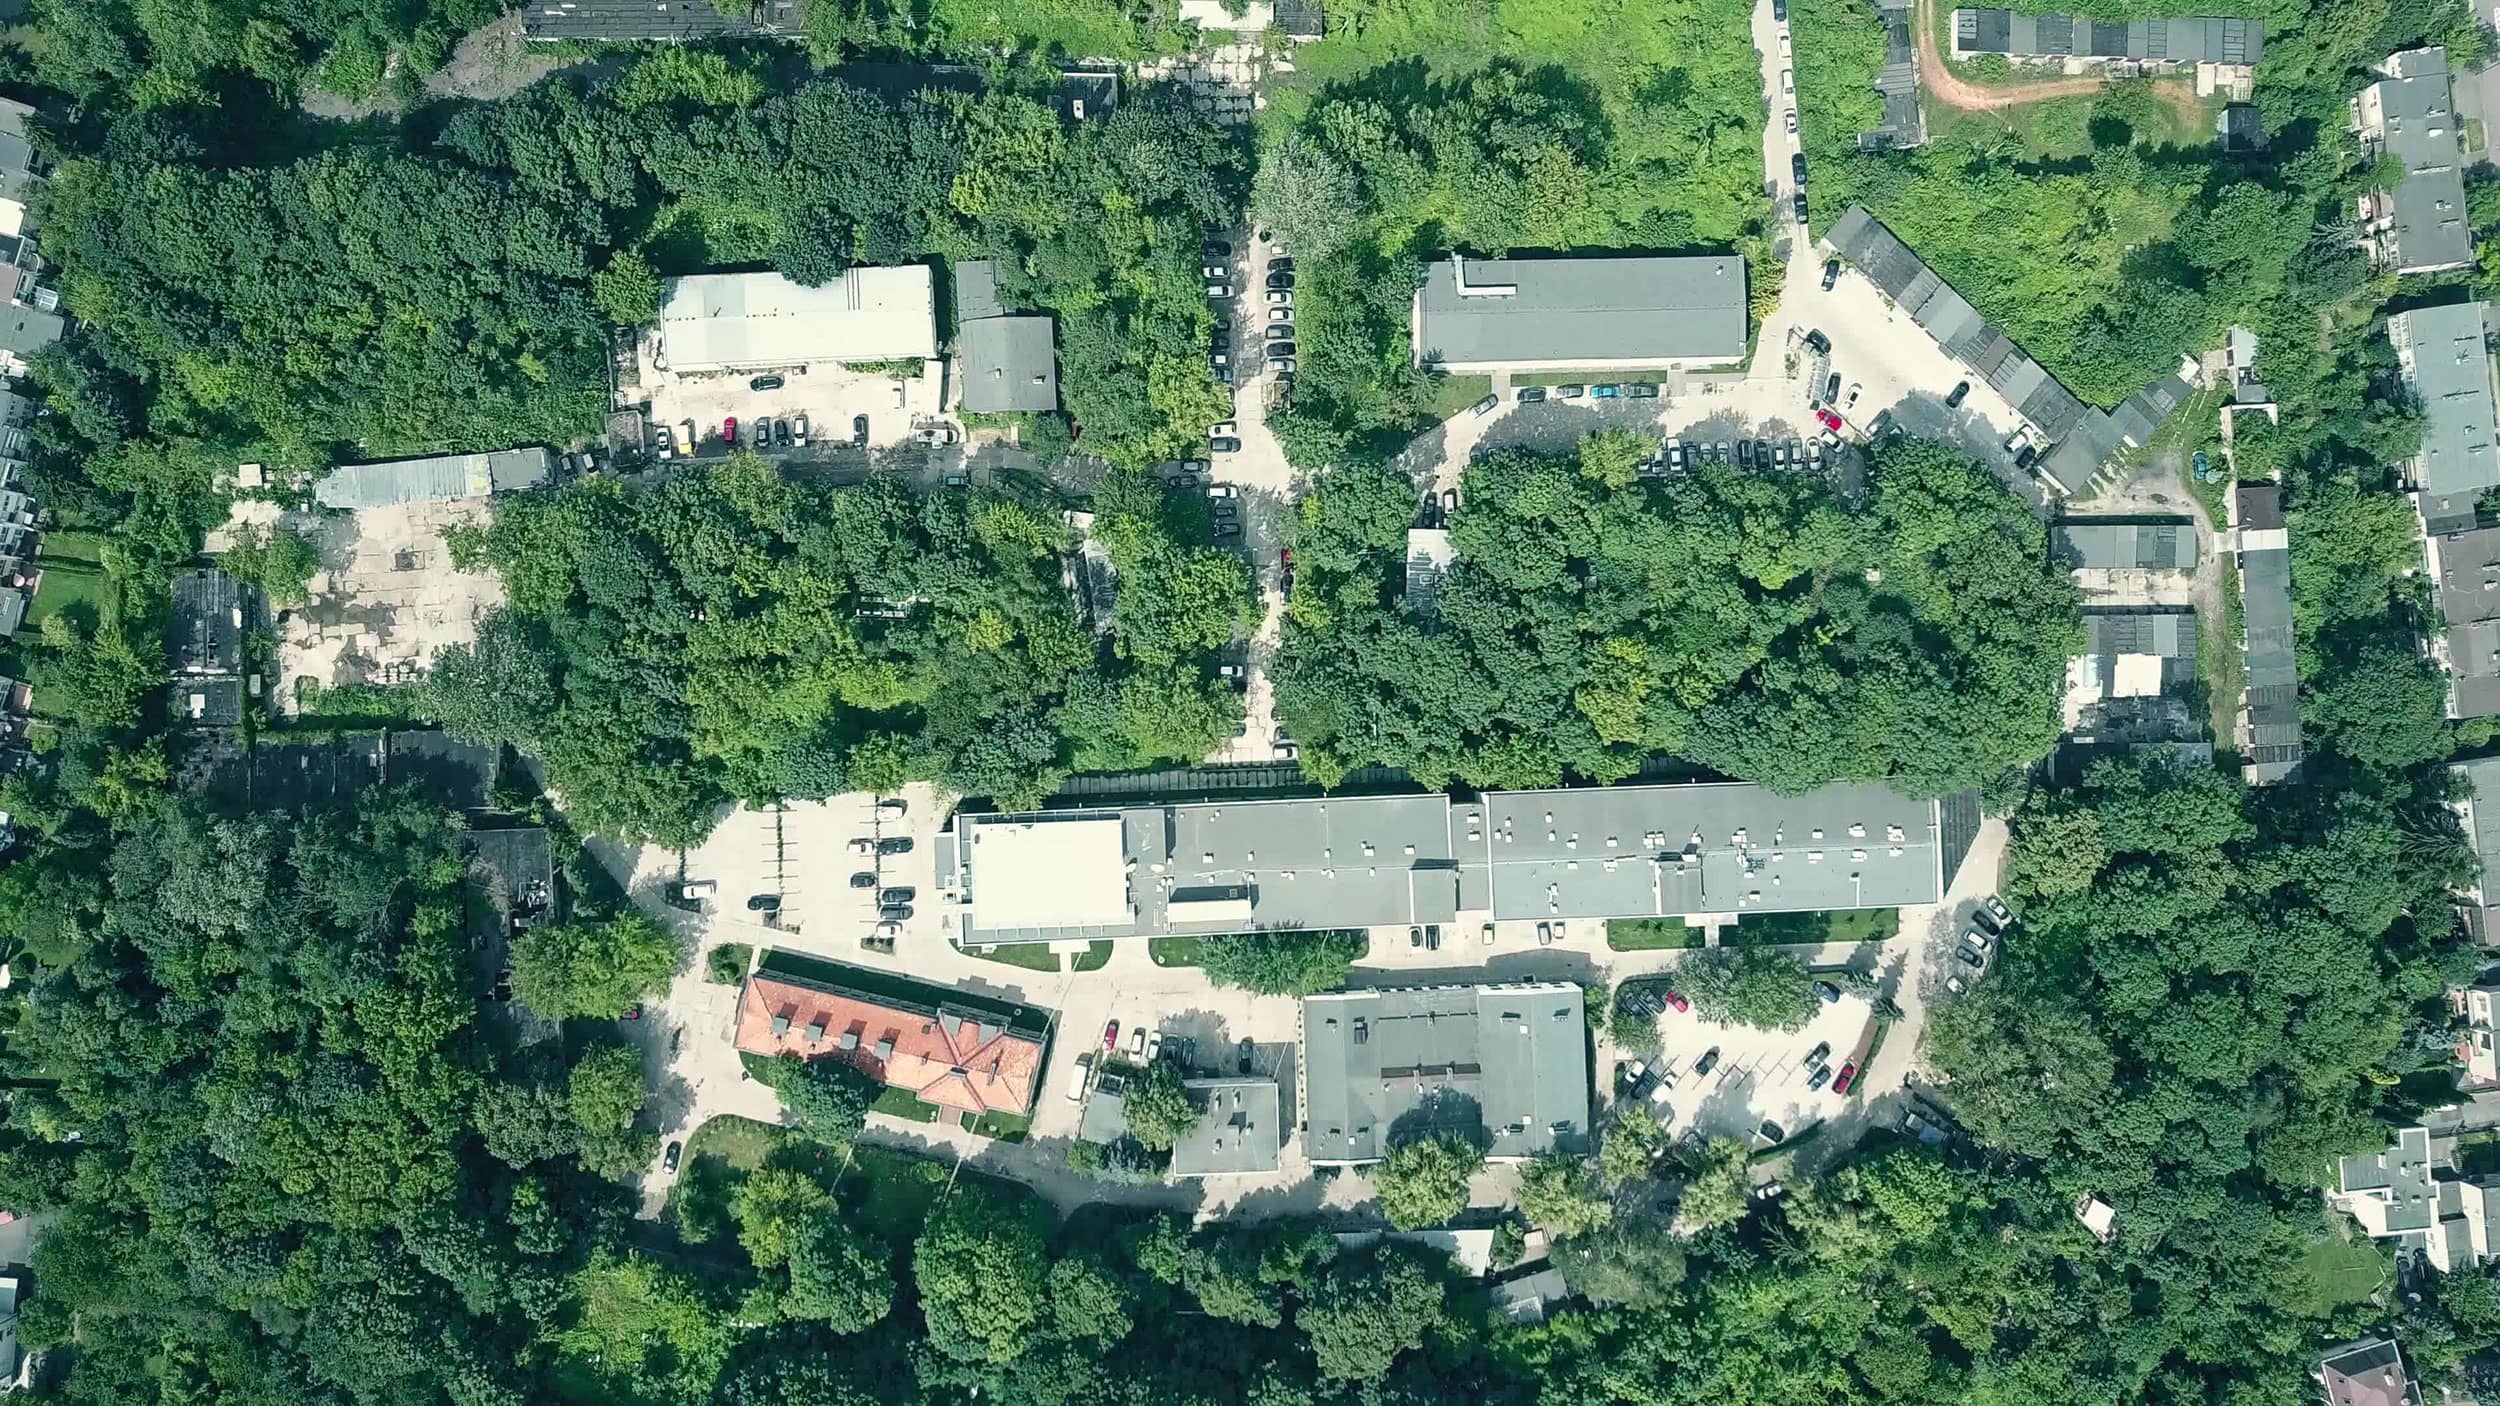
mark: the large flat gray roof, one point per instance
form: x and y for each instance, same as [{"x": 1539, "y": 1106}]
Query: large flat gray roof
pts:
[
  {"x": 2411, "y": 115},
  {"x": 1507, "y": 1066},
  {"x": 1591, "y": 311},
  {"x": 2192, "y": 39},
  {"x": 1239, "y": 1129},
  {"x": 441, "y": 478},
  {"x": 1371, "y": 861},
  {"x": 1010, "y": 363},
  {"x": 2125, "y": 544},
  {"x": 2447, "y": 362}
]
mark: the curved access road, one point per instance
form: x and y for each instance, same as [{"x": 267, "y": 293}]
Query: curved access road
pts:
[{"x": 1938, "y": 79}]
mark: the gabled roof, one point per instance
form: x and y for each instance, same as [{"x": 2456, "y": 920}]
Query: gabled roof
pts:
[{"x": 949, "y": 1056}]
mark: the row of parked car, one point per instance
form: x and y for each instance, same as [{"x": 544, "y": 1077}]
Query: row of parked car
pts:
[{"x": 1990, "y": 924}]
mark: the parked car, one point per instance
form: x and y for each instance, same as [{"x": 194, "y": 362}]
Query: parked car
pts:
[
  {"x": 1976, "y": 941},
  {"x": 1283, "y": 314},
  {"x": 1606, "y": 392},
  {"x": 1831, "y": 270},
  {"x": 1815, "y": 1081},
  {"x": 1997, "y": 909},
  {"x": 1432, "y": 937},
  {"x": 1779, "y": 11},
  {"x": 729, "y": 430},
  {"x": 1709, "y": 1060},
  {"x": 1217, "y": 292},
  {"x": 1545, "y": 934},
  {"x": 859, "y": 431},
  {"x": 1783, "y": 43},
  {"x": 1827, "y": 420},
  {"x": 1284, "y": 349},
  {"x": 1280, "y": 280},
  {"x": 887, "y": 932},
  {"x": 1797, "y": 173},
  {"x": 1677, "y": 999},
  {"x": 765, "y": 383},
  {"x": 1215, "y": 249},
  {"x": 1816, "y": 342},
  {"x": 1788, "y": 80},
  {"x": 1571, "y": 392},
  {"x": 763, "y": 902},
  {"x": 1225, "y": 445},
  {"x": 1449, "y": 500},
  {"x": 1831, "y": 389},
  {"x": 1955, "y": 985},
  {"x": 1222, "y": 491},
  {"x": 1969, "y": 958},
  {"x": 1213, "y": 272},
  {"x": 1818, "y": 1054},
  {"x": 668, "y": 1159},
  {"x": 1415, "y": 937},
  {"x": 1642, "y": 390},
  {"x": 893, "y": 808},
  {"x": 864, "y": 879},
  {"x": 1280, "y": 262},
  {"x": 1488, "y": 934},
  {"x": 1848, "y": 1075},
  {"x": 900, "y": 893},
  {"x": 663, "y": 440},
  {"x": 1953, "y": 398},
  {"x": 1280, "y": 297},
  {"x": 1791, "y": 115},
  {"x": 1771, "y": 1132},
  {"x": 781, "y": 432},
  {"x": 1829, "y": 992},
  {"x": 1744, "y": 453},
  {"x": 1530, "y": 395},
  {"x": 1111, "y": 1036},
  {"x": 895, "y": 912},
  {"x": 1855, "y": 388},
  {"x": 1799, "y": 204},
  {"x": 1481, "y": 407},
  {"x": 1137, "y": 1041}
]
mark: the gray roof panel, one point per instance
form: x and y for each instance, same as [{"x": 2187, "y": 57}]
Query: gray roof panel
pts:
[
  {"x": 1507, "y": 1065},
  {"x": 1587, "y": 310}
]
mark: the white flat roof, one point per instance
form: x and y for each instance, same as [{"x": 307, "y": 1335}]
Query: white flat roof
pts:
[
  {"x": 739, "y": 321},
  {"x": 2139, "y": 676},
  {"x": 1050, "y": 874}
]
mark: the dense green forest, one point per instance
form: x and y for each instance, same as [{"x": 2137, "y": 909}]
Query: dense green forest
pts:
[
  {"x": 1514, "y": 125},
  {"x": 738, "y": 635},
  {"x": 1752, "y": 623},
  {"x": 296, "y": 295}
]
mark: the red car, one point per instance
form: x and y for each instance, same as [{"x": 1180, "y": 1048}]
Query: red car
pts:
[
  {"x": 1676, "y": 999},
  {"x": 729, "y": 430},
  {"x": 1111, "y": 1036},
  {"x": 1848, "y": 1073},
  {"x": 1829, "y": 419}
]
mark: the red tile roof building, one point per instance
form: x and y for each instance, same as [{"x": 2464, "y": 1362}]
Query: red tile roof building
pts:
[{"x": 948, "y": 1056}]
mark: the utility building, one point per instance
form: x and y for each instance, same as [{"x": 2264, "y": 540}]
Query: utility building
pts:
[
  {"x": 1591, "y": 312},
  {"x": 763, "y": 321}
]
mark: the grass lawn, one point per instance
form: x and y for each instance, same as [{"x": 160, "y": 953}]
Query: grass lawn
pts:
[
  {"x": 1095, "y": 957},
  {"x": 1175, "y": 951},
  {"x": 2338, "y": 1270},
  {"x": 1006, "y": 1127},
  {"x": 1857, "y": 925},
  {"x": 1455, "y": 393},
  {"x": 902, "y": 1103},
  {"x": 74, "y": 582},
  {"x": 1032, "y": 956},
  {"x": 1650, "y": 934},
  {"x": 886, "y": 1191}
]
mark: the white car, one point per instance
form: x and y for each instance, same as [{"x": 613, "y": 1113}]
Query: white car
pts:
[
  {"x": 1076, "y": 1084},
  {"x": 889, "y": 930},
  {"x": 1783, "y": 43},
  {"x": 1280, "y": 314},
  {"x": 1852, "y": 397},
  {"x": 1788, "y": 80},
  {"x": 1791, "y": 116},
  {"x": 1225, "y": 430},
  {"x": 1222, "y": 490},
  {"x": 1137, "y": 1041},
  {"x": 863, "y": 845},
  {"x": 798, "y": 429}
]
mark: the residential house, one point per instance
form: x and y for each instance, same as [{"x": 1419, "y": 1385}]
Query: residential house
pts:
[
  {"x": 1590, "y": 312},
  {"x": 2419, "y": 224},
  {"x": 30, "y": 316},
  {"x": 1506, "y": 1066},
  {"x": 2444, "y": 355},
  {"x": 944, "y": 1052},
  {"x": 2478, "y": 813},
  {"x": 2464, "y": 570},
  {"x": 2413, "y": 1196},
  {"x": 1009, "y": 361},
  {"x": 2477, "y": 1008},
  {"x": 2370, "y": 1372},
  {"x": 2269, "y": 715}
]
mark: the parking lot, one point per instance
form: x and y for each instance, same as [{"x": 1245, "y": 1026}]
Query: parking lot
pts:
[
  {"x": 787, "y": 871},
  {"x": 1255, "y": 470},
  {"x": 832, "y": 398},
  {"x": 1759, "y": 1075}
]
